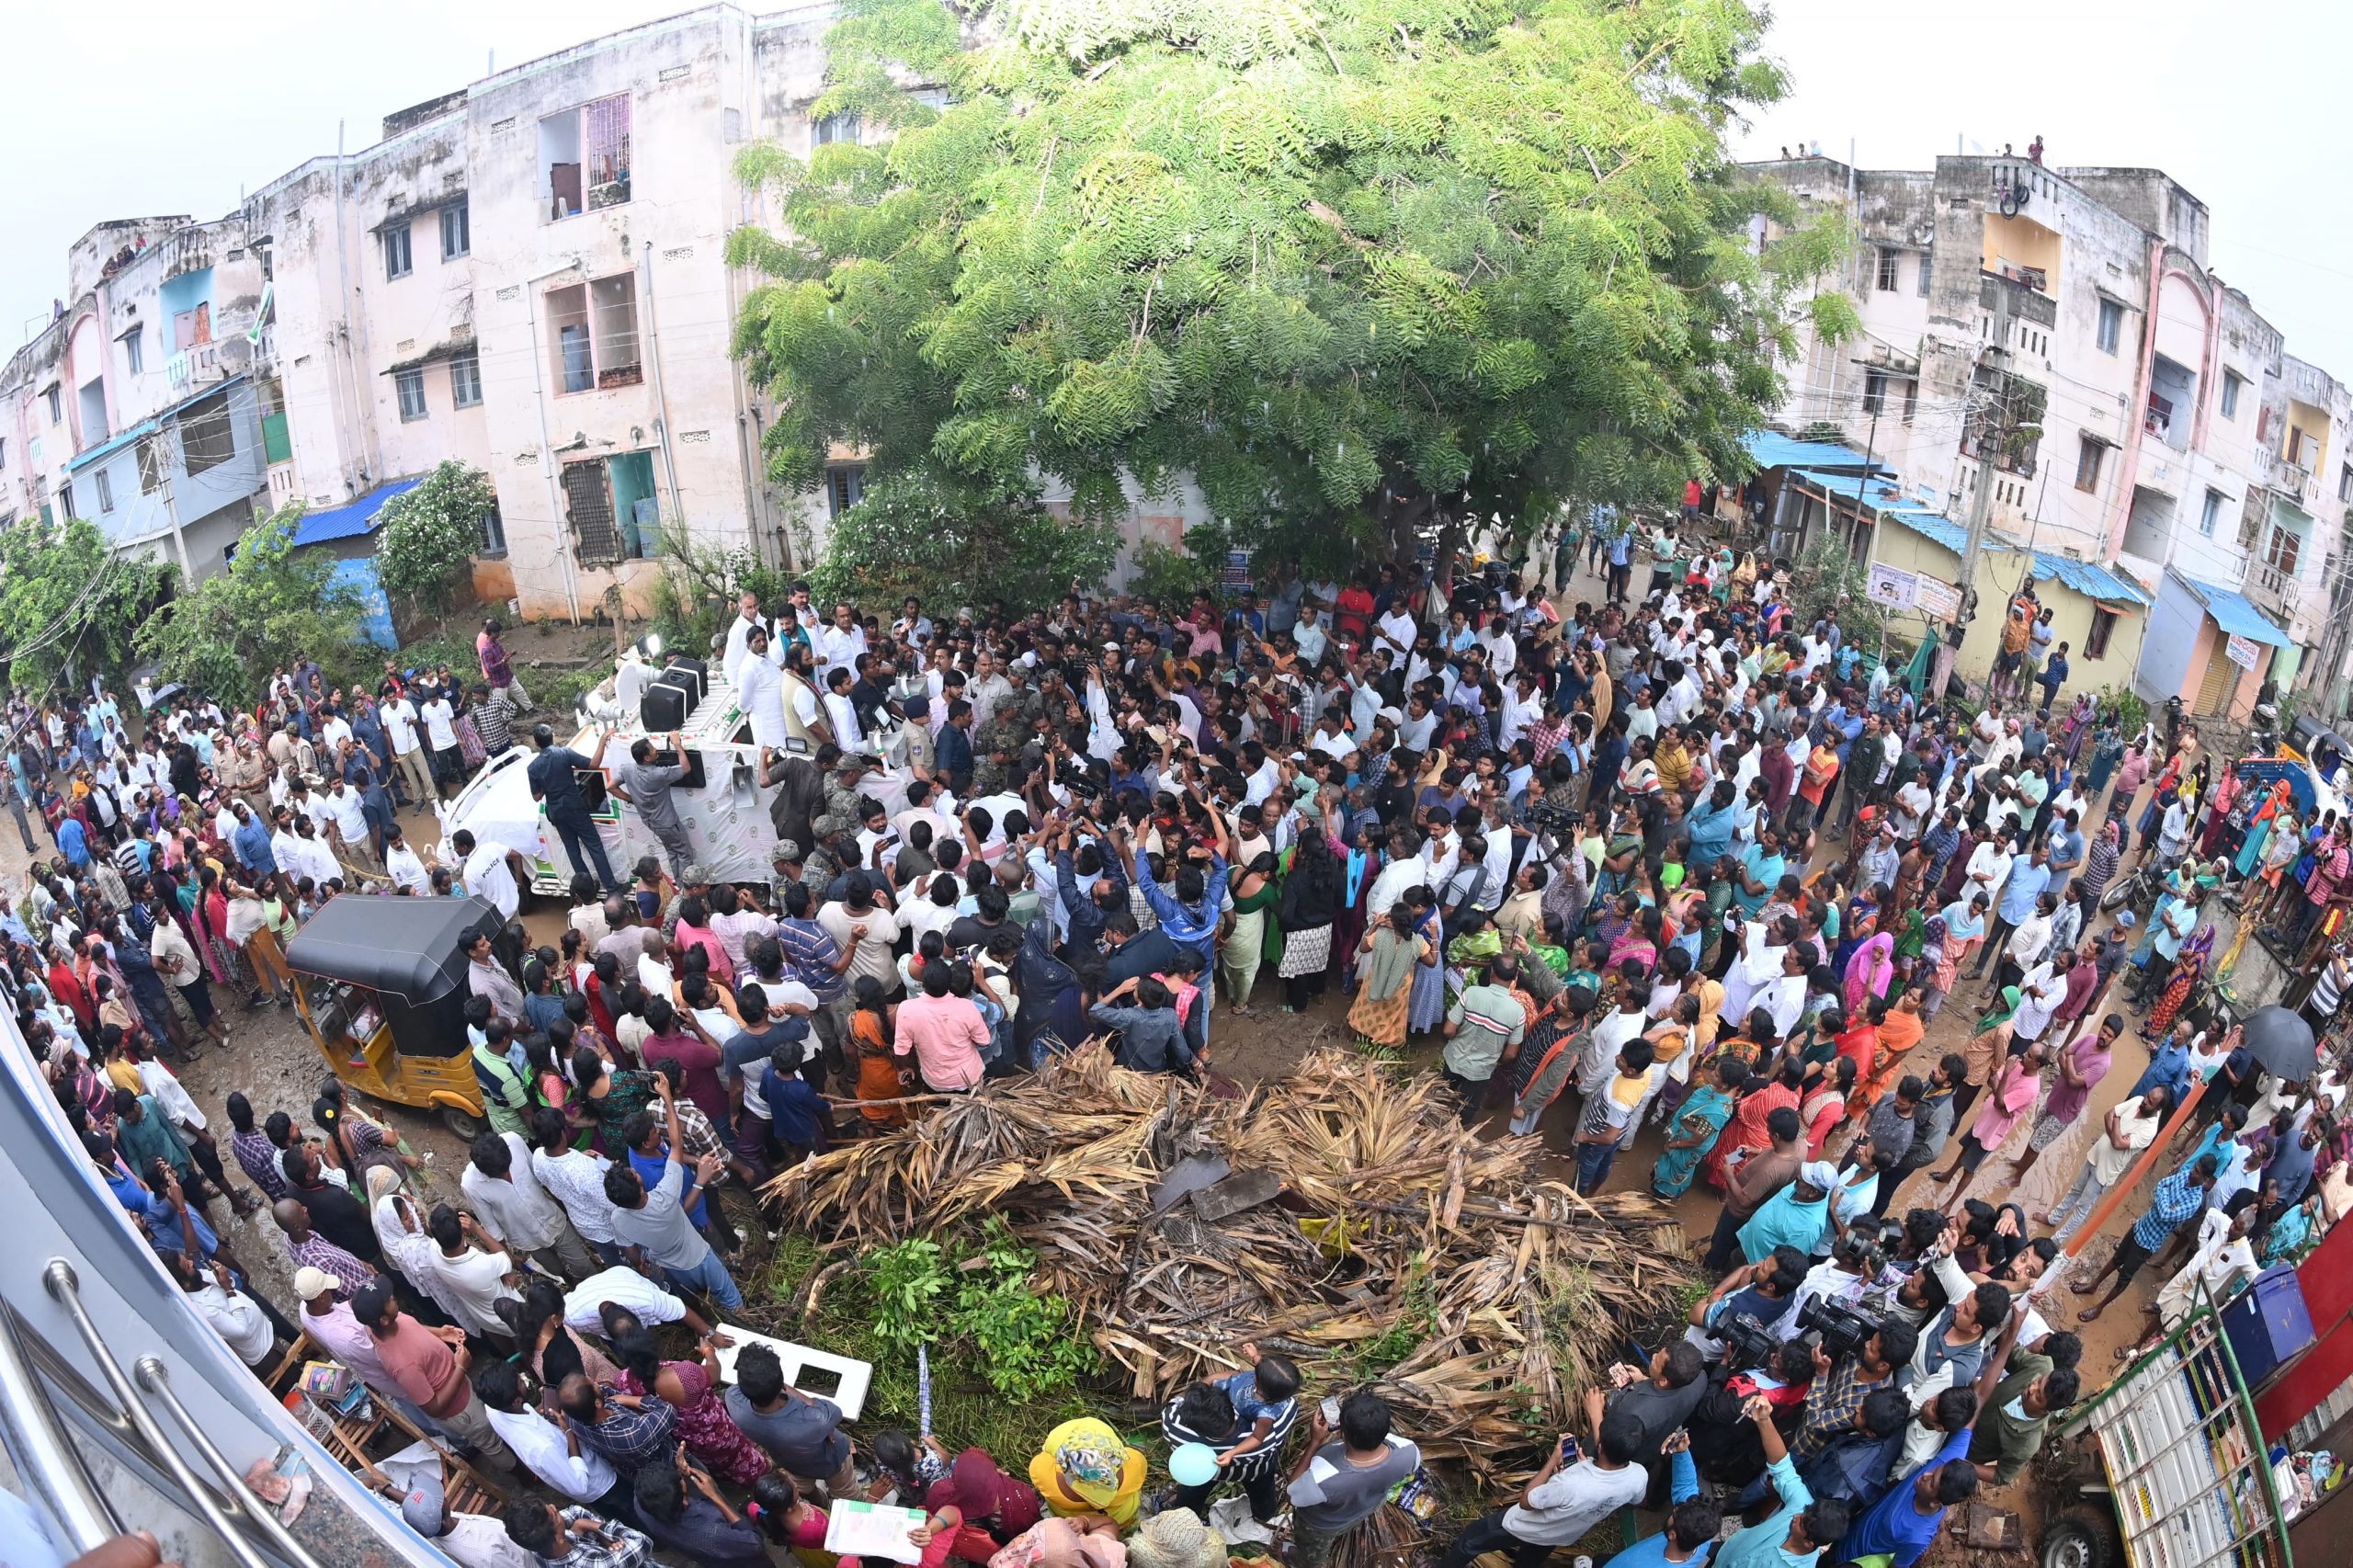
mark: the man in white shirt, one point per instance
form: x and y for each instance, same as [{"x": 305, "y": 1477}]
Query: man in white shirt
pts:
[
  {"x": 838, "y": 645},
  {"x": 546, "y": 1444},
  {"x": 488, "y": 870},
  {"x": 470, "y": 1540},
  {"x": 624, "y": 1287},
  {"x": 398, "y": 716},
  {"x": 284, "y": 847},
  {"x": 212, "y": 1291},
  {"x": 574, "y": 1178},
  {"x": 347, "y": 815},
  {"x": 841, "y": 713},
  {"x": 1522, "y": 707},
  {"x": 2128, "y": 1129},
  {"x": 318, "y": 860},
  {"x": 747, "y": 619},
  {"x": 401, "y": 864},
  {"x": 1397, "y": 630},
  {"x": 501, "y": 1184},
  {"x": 441, "y": 736},
  {"x": 470, "y": 1268}
]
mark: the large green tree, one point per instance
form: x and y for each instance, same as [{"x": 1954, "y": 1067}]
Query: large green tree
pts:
[
  {"x": 68, "y": 604},
  {"x": 1362, "y": 268},
  {"x": 273, "y": 605}
]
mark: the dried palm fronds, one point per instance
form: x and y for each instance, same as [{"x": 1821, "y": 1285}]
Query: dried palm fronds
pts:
[{"x": 1476, "y": 1293}]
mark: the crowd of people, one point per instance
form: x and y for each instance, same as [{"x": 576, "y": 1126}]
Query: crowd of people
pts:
[{"x": 1679, "y": 859}]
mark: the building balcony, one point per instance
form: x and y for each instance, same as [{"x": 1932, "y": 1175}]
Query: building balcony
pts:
[
  {"x": 2274, "y": 590},
  {"x": 2029, "y": 303}
]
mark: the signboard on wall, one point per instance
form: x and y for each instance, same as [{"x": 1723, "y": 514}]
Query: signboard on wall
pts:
[
  {"x": 1936, "y": 599},
  {"x": 1890, "y": 586},
  {"x": 2243, "y": 652}
]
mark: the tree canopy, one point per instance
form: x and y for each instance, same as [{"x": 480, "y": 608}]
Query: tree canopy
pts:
[
  {"x": 270, "y": 607},
  {"x": 68, "y": 603},
  {"x": 431, "y": 533},
  {"x": 1358, "y": 268}
]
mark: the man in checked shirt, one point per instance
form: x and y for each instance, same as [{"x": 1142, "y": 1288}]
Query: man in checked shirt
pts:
[{"x": 2178, "y": 1198}]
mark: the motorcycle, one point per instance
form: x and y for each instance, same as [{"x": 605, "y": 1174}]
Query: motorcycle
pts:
[{"x": 2142, "y": 886}]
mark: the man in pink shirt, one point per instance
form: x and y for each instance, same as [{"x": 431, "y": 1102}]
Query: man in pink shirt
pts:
[
  {"x": 429, "y": 1366},
  {"x": 945, "y": 1033}
]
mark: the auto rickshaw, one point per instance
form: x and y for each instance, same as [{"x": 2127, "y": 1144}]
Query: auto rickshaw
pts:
[{"x": 382, "y": 984}]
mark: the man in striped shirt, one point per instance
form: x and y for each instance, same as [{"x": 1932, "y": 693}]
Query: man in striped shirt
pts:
[{"x": 1485, "y": 1021}]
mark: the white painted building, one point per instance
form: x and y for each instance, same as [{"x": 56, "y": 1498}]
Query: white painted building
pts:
[
  {"x": 2160, "y": 428},
  {"x": 527, "y": 274}
]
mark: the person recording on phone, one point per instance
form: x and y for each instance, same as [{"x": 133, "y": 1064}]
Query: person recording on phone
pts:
[{"x": 1570, "y": 1494}]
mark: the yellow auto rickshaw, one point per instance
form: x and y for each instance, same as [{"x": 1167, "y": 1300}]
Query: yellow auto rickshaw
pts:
[{"x": 382, "y": 984}]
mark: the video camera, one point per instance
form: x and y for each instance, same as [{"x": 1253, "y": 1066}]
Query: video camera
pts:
[
  {"x": 1840, "y": 1329},
  {"x": 1748, "y": 1341}
]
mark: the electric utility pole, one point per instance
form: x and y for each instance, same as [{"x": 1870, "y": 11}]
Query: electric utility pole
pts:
[{"x": 1992, "y": 425}]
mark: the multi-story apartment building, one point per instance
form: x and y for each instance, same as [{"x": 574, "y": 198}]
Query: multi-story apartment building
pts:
[
  {"x": 527, "y": 274},
  {"x": 143, "y": 406},
  {"x": 2139, "y": 416}
]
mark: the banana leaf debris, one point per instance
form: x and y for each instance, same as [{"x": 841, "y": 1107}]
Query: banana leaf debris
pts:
[{"x": 1341, "y": 1215}]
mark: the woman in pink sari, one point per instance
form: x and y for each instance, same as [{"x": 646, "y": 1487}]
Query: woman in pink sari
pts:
[{"x": 1870, "y": 971}]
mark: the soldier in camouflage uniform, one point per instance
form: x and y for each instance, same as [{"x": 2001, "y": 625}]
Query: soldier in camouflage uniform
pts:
[{"x": 829, "y": 856}]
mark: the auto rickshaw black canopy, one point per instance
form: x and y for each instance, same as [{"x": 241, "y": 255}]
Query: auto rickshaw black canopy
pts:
[{"x": 406, "y": 947}]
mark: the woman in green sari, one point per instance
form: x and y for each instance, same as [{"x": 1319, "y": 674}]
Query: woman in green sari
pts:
[
  {"x": 1256, "y": 895},
  {"x": 1697, "y": 1121}
]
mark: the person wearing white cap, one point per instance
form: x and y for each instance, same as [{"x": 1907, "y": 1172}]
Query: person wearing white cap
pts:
[
  {"x": 1793, "y": 1216},
  {"x": 470, "y": 1540}
]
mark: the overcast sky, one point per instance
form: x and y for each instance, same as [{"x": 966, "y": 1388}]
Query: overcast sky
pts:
[
  {"x": 174, "y": 108},
  {"x": 2241, "y": 103}
]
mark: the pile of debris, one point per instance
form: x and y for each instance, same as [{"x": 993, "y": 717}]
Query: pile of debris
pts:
[{"x": 1341, "y": 1215}]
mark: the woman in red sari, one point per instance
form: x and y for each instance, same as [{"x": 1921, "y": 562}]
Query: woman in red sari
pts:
[{"x": 1745, "y": 1133}]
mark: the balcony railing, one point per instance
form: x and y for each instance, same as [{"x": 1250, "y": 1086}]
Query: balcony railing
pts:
[
  {"x": 2273, "y": 589},
  {"x": 2028, "y": 301}
]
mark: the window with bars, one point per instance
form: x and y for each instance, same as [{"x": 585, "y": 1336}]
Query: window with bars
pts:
[
  {"x": 585, "y": 155},
  {"x": 207, "y": 437},
  {"x": 845, "y": 488},
  {"x": 588, "y": 505},
  {"x": 397, "y": 260}
]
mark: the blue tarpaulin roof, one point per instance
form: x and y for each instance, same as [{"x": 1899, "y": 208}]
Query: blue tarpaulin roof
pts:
[
  {"x": 2236, "y": 617},
  {"x": 1772, "y": 450},
  {"x": 352, "y": 519},
  {"x": 2086, "y": 578},
  {"x": 1877, "y": 490}
]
